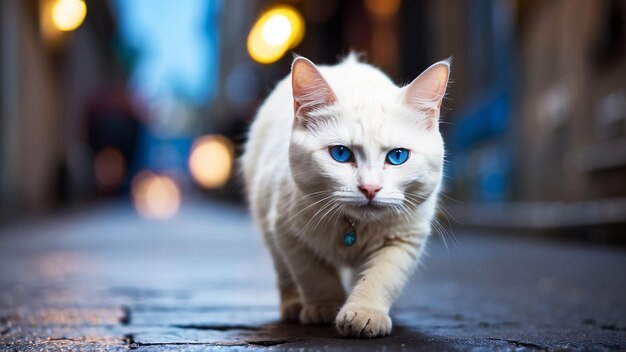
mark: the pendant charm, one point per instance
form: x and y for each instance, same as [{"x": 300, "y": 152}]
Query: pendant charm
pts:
[{"x": 349, "y": 238}]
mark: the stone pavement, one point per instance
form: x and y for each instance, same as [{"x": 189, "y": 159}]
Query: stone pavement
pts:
[{"x": 104, "y": 279}]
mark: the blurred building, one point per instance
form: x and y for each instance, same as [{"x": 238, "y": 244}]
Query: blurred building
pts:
[
  {"x": 572, "y": 94},
  {"x": 46, "y": 77},
  {"x": 539, "y": 111},
  {"x": 558, "y": 69}
]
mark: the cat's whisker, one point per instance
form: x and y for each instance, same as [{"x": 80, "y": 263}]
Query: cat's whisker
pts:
[
  {"x": 439, "y": 227},
  {"x": 322, "y": 208},
  {"x": 308, "y": 206},
  {"x": 400, "y": 210},
  {"x": 406, "y": 213},
  {"x": 442, "y": 232},
  {"x": 416, "y": 195},
  {"x": 325, "y": 219},
  {"x": 436, "y": 227},
  {"x": 450, "y": 198},
  {"x": 447, "y": 216},
  {"x": 324, "y": 216},
  {"x": 319, "y": 192},
  {"x": 412, "y": 202},
  {"x": 338, "y": 213}
]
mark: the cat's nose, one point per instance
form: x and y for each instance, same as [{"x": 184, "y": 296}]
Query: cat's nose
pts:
[{"x": 369, "y": 190}]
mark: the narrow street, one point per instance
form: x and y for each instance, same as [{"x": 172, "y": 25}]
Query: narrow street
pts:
[{"x": 105, "y": 279}]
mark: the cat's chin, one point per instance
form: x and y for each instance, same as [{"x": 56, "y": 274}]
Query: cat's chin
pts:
[{"x": 366, "y": 211}]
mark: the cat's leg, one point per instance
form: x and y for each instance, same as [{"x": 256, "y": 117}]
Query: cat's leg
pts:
[
  {"x": 290, "y": 298},
  {"x": 319, "y": 282},
  {"x": 366, "y": 312}
]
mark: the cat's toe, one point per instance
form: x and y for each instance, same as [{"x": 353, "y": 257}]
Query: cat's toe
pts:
[
  {"x": 364, "y": 322},
  {"x": 290, "y": 310},
  {"x": 315, "y": 314}
]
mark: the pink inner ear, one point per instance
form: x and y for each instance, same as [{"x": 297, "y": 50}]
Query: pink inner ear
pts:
[
  {"x": 310, "y": 90},
  {"x": 426, "y": 92}
]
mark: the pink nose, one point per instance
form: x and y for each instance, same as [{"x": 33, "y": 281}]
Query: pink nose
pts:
[{"x": 369, "y": 190}]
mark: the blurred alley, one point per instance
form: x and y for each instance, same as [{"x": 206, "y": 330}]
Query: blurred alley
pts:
[{"x": 122, "y": 219}]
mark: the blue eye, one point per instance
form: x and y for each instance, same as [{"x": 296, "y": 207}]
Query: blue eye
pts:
[
  {"x": 341, "y": 153},
  {"x": 397, "y": 156}
]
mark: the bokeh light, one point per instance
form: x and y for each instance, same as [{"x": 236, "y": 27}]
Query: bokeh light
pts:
[
  {"x": 67, "y": 15},
  {"x": 211, "y": 161},
  {"x": 276, "y": 31},
  {"x": 109, "y": 169},
  {"x": 155, "y": 196},
  {"x": 382, "y": 9}
]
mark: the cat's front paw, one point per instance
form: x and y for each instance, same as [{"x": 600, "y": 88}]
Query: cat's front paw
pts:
[
  {"x": 359, "y": 321},
  {"x": 315, "y": 314},
  {"x": 290, "y": 310}
]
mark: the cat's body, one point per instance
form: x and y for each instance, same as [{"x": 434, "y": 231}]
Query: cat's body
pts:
[{"x": 305, "y": 202}]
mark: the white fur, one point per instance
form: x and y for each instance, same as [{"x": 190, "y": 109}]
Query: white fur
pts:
[{"x": 301, "y": 197}]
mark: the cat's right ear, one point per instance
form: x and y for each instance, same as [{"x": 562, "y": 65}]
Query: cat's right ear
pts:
[{"x": 310, "y": 89}]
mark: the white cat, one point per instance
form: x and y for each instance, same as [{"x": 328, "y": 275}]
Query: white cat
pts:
[{"x": 343, "y": 170}]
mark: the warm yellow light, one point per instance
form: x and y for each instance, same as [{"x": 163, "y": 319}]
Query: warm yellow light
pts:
[
  {"x": 154, "y": 196},
  {"x": 276, "y": 31},
  {"x": 211, "y": 161},
  {"x": 67, "y": 15}
]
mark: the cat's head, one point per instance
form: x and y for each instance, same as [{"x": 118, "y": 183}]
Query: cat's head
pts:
[{"x": 362, "y": 144}]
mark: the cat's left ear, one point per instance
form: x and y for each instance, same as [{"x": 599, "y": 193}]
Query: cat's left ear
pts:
[
  {"x": 310, "y": 89},
  {"x": 426, "y": 92}
]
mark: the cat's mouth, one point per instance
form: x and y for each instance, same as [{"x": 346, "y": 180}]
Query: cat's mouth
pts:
[
  {"x": 371, "y": 205},
  {"x": 366, "y": 210}
]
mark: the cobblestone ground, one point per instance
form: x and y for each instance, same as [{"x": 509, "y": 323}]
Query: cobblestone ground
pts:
[{"x": 104, "y": 279}]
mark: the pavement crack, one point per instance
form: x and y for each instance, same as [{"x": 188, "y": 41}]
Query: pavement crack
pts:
[
  {"x": 57, "y": 339},
  {"x": 145, "y": 344},
  {"x": 518, "y": 343},
  {"x": 264, "y": 343},
  {"x": 612, "y": 327},
  {"x": 268, "y": 343},
  {"x": 217, "y": 327},
  {"x": 130, "y": 341}
]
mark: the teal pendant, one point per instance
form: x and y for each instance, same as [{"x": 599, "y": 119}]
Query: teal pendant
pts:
[{"x": 349, "y": 238}]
